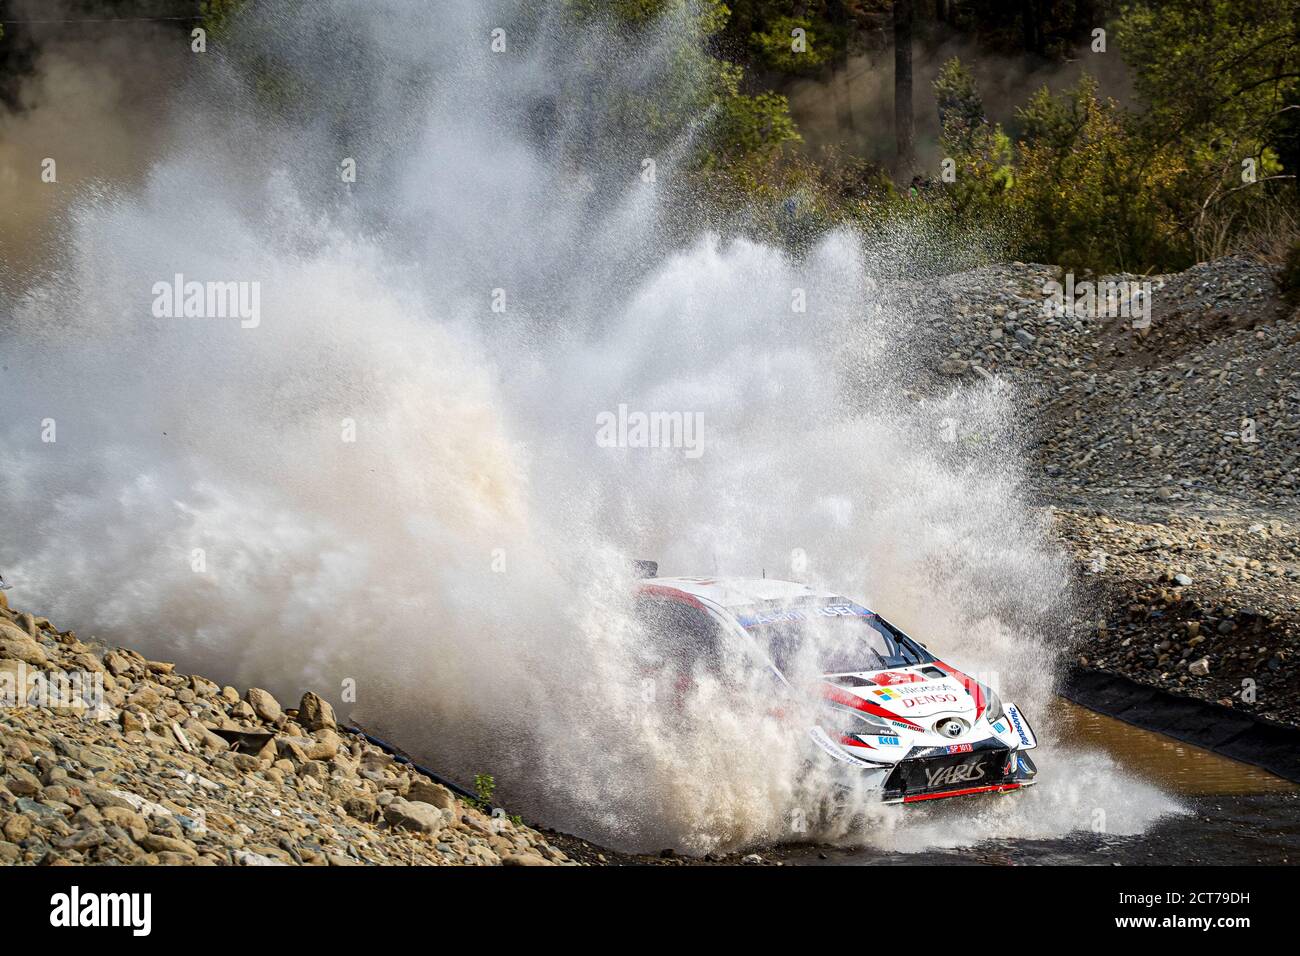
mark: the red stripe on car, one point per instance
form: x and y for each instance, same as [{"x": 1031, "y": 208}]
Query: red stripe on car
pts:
[
  {"x": 672, "y": 594},
  {"x": 994, "y": 788},
  {"x": 833, "y": 693},
  {"x": 973, "y": 687}
]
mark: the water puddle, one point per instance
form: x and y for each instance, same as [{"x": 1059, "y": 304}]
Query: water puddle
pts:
[{"x": 1172, "y": 765}]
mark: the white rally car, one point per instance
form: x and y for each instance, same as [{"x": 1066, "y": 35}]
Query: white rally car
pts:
[{"x": 906, "y": 723}]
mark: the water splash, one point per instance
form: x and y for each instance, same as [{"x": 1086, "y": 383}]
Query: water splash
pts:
[{"x": 462, "y": 562}]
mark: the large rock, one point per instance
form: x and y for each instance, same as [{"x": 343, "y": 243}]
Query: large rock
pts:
[
  {"x": 325, "y": 746},
  {"x": 361, "y": 806},
  {"x": 426, "y": 791},
  {"x": 315, "y": 713},
  {"x": 264, "y": 705},
  {"x": 17, "y": 645},
  {"x": 421, "y": 817},
  {"x": 23, "y": 782},
  {"x": 146, "y": 698}
]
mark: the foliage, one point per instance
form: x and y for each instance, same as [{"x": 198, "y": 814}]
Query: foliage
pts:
[
  {"x": 1220, "y": 83},
  {"x": 1089, "y": 194},
  {"x": 980, "y": 152},
  {"x": 1198, "y": 170},
  {"x": 775, "y": 47},
  {"x": 749, "y": 128},
  {"x": 961, "y": 108},
  {"x": 741, "y": 129}
]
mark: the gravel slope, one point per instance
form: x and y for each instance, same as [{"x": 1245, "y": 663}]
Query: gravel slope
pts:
[
  {"x": 174, "y": 769},
  {"x": 1170, "y": 457}
]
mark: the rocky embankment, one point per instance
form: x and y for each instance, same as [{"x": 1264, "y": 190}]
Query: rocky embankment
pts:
[
  {"x": 106, "y": 757},
  {"x": 1170, "y": 458}
]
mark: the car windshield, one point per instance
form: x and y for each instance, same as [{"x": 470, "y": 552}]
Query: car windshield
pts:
[{"x": 833, "y": 639}]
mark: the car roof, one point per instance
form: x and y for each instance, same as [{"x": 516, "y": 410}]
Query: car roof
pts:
[{"x": 735, "y": 592}]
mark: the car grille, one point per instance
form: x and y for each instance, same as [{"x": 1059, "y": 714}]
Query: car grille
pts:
[{"x": 942, "y": 772}]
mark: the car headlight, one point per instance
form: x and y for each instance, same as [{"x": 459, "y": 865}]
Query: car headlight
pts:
[{"x": 992, "y": 705}]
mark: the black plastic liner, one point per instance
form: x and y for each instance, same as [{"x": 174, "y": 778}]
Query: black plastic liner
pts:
[{"x": 1253, "y": 740}]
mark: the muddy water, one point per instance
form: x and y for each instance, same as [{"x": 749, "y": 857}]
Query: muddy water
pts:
[
  {"x": 1235, "y": 814},
  {"x": 1170, "y": 764}
]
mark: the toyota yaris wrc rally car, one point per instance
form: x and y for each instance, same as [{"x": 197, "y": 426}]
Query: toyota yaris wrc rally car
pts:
[{"x": 907, "y": 724}]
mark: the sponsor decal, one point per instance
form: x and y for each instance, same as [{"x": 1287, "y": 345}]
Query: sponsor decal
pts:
[
  {"x": 888, "y": 741},
  {"x": 886, "y": 678},
  {"x": 959, "y": 748},
  {"x": 930, "y": 699},
  {"x": 803, "y": 614},
  {"x": 911, "y": 690},
  {"x": 824, "y": 742},
  {"x": 949, "y": 776},
  {"x": 913, "y": 695},
  {"x": 999, "y": 727},
  {"x": 1015, "y": 722}
]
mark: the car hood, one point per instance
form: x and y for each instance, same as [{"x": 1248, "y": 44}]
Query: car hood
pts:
[{"x": 908, "y": 694}]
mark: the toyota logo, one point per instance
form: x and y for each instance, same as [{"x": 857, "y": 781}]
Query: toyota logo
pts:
[{"x": 951, "y": 727}]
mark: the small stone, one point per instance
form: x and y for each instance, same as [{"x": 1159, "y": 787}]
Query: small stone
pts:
[
  {"x": 23, "y": 782},
  {"x": 83, "y": 839},
  {"x": 17, "y": 828},
  {"x": 525, "y": 859},
  {"x": 156, "y": 843},
  {"x": 128, "y": 820},
  {"x": 1199, "y": 668},
  {"x": 326, "y": 746}
]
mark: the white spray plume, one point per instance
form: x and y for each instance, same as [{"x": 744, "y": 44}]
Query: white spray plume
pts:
[{"x": 463, "y": 561}]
